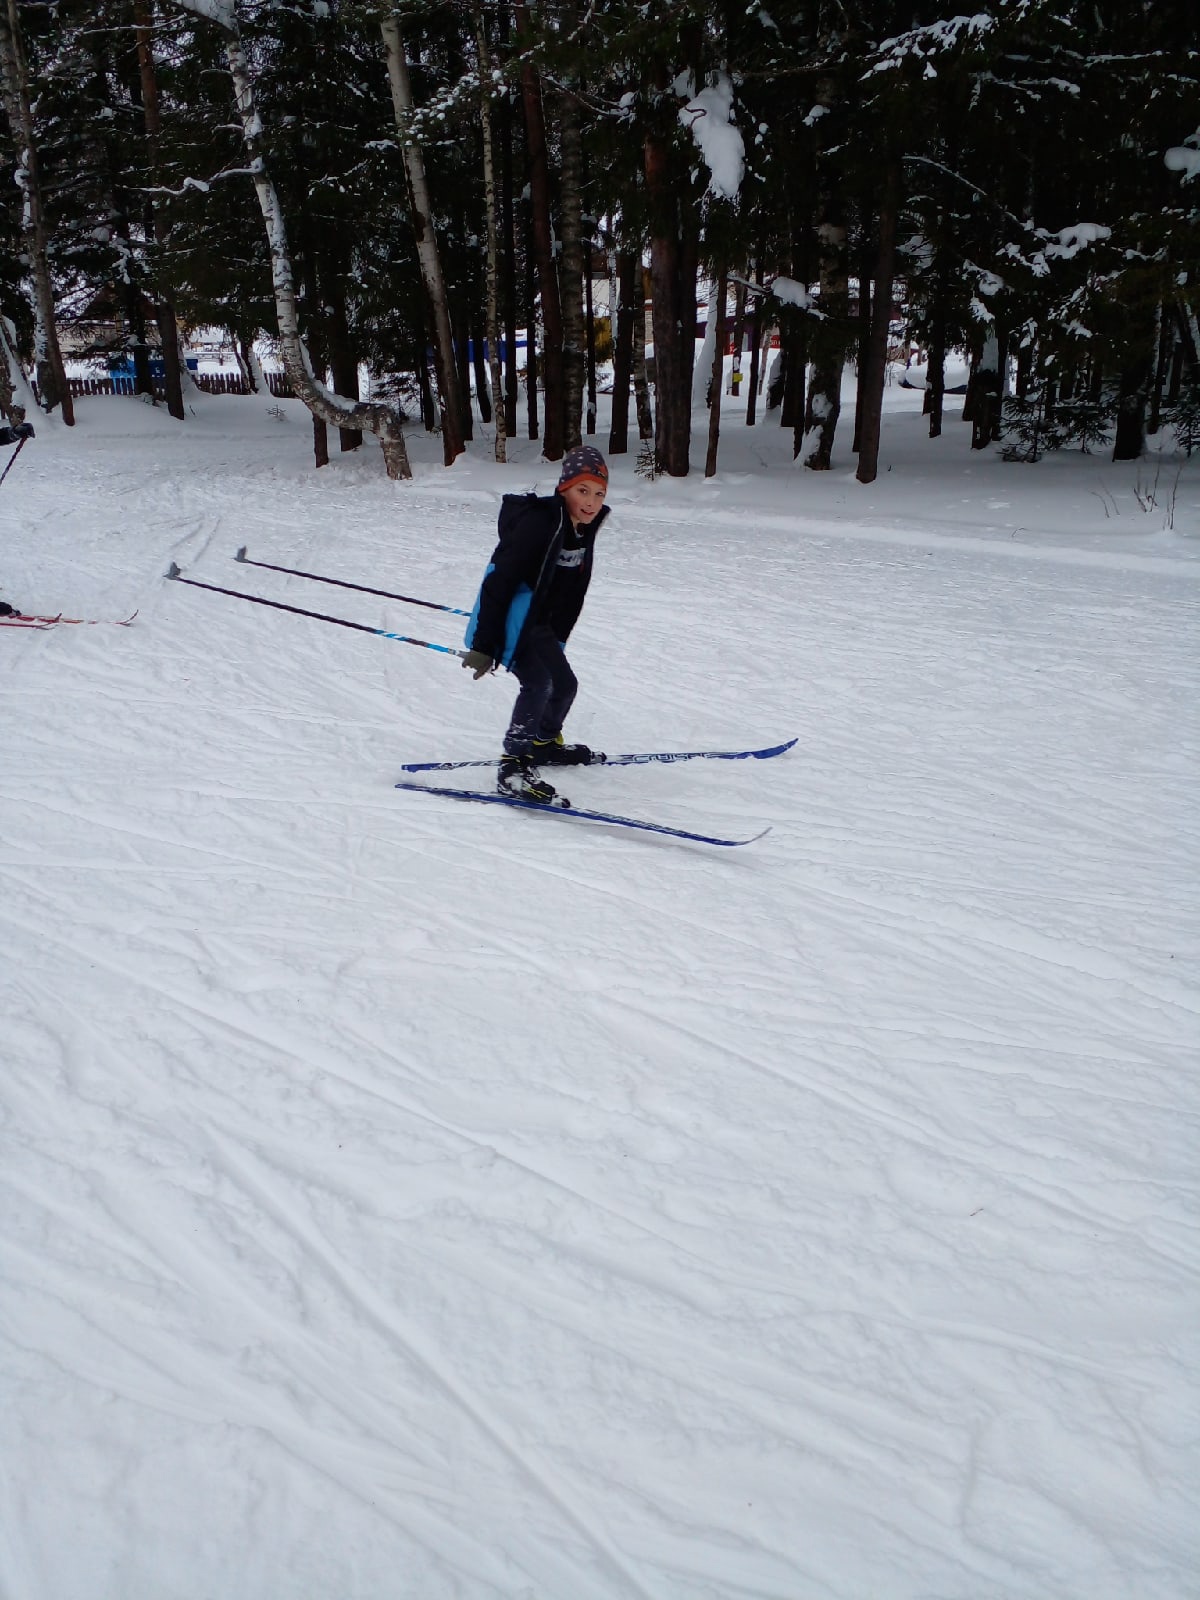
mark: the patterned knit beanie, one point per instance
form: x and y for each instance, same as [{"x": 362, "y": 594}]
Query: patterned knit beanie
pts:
[{"x": 585, "y": 461}]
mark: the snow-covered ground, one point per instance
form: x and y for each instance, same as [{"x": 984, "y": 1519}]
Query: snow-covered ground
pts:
[{"x": 407, "y": 1200}]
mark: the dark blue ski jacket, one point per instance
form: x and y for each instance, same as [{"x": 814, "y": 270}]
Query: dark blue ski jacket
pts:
[{"x": 538, "y": 574}]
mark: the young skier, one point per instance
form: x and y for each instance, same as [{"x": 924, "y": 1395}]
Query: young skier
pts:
[
  {"x": 17, "y": 435},
  {"x": 530, "y": 599}
]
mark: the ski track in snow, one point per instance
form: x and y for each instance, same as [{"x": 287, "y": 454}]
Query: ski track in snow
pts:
[{"x": 405, "y": 1199}]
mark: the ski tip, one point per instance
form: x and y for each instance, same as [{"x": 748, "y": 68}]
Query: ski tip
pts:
[
  {"x": 172, "y": 571},
  {"x": 776, "y": 749},
  {"x": 241, "y": 555}
]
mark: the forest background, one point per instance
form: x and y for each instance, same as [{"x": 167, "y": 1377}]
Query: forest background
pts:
[{"x": 404, "y": 190}]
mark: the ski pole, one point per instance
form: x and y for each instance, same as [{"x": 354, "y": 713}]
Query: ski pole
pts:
[
  {"x": 11, "y": 459},
  {"x": 299, "y": 611},
  {"x": 294, "y": 572}
]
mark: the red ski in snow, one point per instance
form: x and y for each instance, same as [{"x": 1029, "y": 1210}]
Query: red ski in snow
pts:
[{"x": 17, "y": 620}]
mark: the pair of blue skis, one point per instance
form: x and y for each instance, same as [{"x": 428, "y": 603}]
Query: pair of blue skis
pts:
[{"x": 563, "y": 808}]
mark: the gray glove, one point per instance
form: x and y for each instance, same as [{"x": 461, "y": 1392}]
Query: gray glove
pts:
[{"x": 479, "y": 662}]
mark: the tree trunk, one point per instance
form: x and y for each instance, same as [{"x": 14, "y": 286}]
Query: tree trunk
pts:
[
  {"x": 571, "y": 268},
  {"x": 531, "y": 355},
  {"x": 717, "y": 386},
  {"x": 320, "y": 433},
  {"x": 739, "y": 334},
  {"x": 9, "y": 368},
  {"x": 935, "y": 380},
  {"x": 429, "y": 413},
  {"x": 1163, "y": 333},
  {"x": 590, "y": 340},
  {"x": 543, "y": 238},
  {"x": 641, "y": 382},
  {"x": 824, "y": 403},
  {"x": 375, "y": 418},
  {"x": 246, "y": 359},
  {"x": 317, "y": 364},
  {"x": 156, "y": 229},
  {"x": 863, "y": 343},
  {"x": 1130, "y": 441},
  {"x": 493, "y": 235},
  {"x": 988, "y": 394},
  {"x": 479, "y": 360},
  {"x": 15, "y": 90},
  {"x": 756, "y": 336},
  {"x": 16, "y": 397},
  {"x": 108, "y": 62},
  {"x": 801, "y": 399},
  {"x": 509, "y": 289},
  {"x": 630, "y": 304},
  {"x": 1188, "y": 362},
  {"x": 881, "y": 314},
  {"x": 791, "y": 412},
  {"x": 673, "y": 291},
  {"x": 427, "y": 247},
  {"x": 343, "y": 361},
  {"x": 462, "y": 361}
]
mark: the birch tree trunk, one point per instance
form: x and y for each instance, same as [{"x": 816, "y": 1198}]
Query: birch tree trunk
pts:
[
  {"x": 14, "y": 87},
  {"x": 428, "y": 256},
  {"x": 16, "y": 397},
  {"x": 493, "y": 240},
  {"x": 371, "y": 416}
]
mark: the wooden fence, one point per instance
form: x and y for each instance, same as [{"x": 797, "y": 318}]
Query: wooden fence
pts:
[{"x": 211, "y": 382}]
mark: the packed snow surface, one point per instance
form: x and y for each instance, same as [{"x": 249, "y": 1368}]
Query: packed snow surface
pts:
[{"x": 406, "y": 1200}]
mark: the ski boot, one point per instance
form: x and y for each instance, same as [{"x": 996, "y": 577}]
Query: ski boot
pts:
[
  {"x": 554, "y": 753},
  {"x": 519, "y": 779}
]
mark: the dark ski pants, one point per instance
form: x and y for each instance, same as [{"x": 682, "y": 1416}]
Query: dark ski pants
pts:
[{"x": 548, "y": 689}]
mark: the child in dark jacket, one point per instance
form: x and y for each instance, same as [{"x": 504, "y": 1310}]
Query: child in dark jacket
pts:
[{"x": 530, "y": 599}]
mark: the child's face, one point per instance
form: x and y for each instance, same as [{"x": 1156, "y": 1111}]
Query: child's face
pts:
[{"x": 584, "y": 499}]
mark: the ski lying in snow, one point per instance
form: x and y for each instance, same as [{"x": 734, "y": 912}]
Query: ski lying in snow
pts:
[
  {"x": 563, "y": 808},
  {"x": 17, "y": 620},
  {"x": 622, "y": 761}
]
